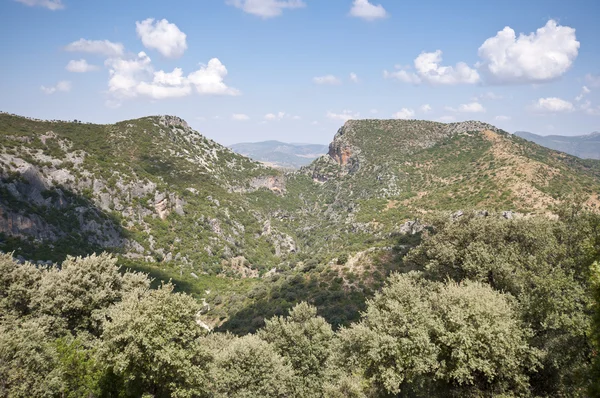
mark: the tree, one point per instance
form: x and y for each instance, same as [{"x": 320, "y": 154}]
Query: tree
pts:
[
  {"x": 421, "y": 338},
  {"x": 151, "y": 343},
  {"x": 305, "y": 339},
  {"x": 247, "y": 367},
  {"x": 544, "y": 264},
  {"x": 18, "y": 284},
  {"x": 82, "y": 288}
]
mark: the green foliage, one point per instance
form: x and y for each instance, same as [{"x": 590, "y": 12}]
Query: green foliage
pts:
[
  {"x": 79, "y": 292},
  {"x": 248, "y": 367},
  {"x": 305, "y": 340},
  {"x": 151, "y": 343},
  {"x": 594, "y": 389},
  {"x": 544, "y": 264},
  {"x": 422, "y": 338}
]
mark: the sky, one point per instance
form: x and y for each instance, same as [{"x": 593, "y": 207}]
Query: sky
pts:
[{"x": 296, "y": 70}]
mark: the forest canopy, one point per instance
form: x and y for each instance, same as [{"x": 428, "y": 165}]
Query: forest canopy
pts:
[{"x": 484, "y": 306}]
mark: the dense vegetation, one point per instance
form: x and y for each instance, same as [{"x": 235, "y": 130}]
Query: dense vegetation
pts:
[{"x": 484, "y": 306}]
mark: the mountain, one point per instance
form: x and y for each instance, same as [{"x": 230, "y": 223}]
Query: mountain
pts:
[
  {"x": 583, "y": 146},
  {"x": 281, "y": 154},
  {"x": 254, "y": 240},
  {"x": 151, "y": 189}
]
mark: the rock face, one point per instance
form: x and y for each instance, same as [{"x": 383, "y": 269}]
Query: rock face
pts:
[{"x": 71, "y": 188}]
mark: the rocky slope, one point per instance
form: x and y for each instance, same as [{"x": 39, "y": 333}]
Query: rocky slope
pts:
[
  {"x": 583, "y": 146},
  {"x": 151, "y": 189},
  {"x": 154, "y": 190}
]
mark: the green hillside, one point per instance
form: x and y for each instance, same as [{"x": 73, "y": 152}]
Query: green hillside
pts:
[{"x": 252, "y": 240}]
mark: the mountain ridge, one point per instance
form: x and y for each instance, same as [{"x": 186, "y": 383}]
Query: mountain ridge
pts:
[
  {"x": 585, "y": 146},
  {"x": 280, "y": 154}
]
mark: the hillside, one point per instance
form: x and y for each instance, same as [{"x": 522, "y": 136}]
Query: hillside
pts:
[
  {"x": 281, "y": 154},
  {"x": 252, "y": 240},
  {"x": 151, "y": 189},
  {"x": 381, "y": 173},
  {"x": 583, "y": 146}
]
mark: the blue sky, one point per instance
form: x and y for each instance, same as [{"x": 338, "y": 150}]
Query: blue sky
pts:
[{"x": 295, "y": 70}]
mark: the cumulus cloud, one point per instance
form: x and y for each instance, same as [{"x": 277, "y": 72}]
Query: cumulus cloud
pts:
[
  {"x": 62, "y": 85},
  {"x": 135, "y": 76},
  {"x": 353, "y": 77},
  {"x": 403, "y": 76},
  {"x": 240, "y": 117},
  {"x": 80, "y": 66},
  {"x": 584, "y": 91},
  {"x": 553, "y": 105},
  {"x": 101, "y": 47},
  {"x": 502, "y": 118},
  {"x": 49, "y": 4},
  {"x": 404, "y": 113},
  {"x": 535, "y": 58},
  {"x": 266, "y": 8},
  {"x": 209, "y": 79},
  {"x": 345, "y": 115},
  {"x": 471, "y": 107},
  {"x": 428, "y": 70},
  {"x": 327, "y": 79},
  {"x": 426, "y": 108},
  {"x": 162, "y": 36},
  {"x": 367, "y": 11}
]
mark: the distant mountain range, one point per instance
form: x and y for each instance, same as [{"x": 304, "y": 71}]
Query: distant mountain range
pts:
[
  {"x": 583, "y": 146},
  {"x": 281, "y": 154}
]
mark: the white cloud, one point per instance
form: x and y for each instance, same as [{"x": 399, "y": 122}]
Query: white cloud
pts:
[
  {"x": 553, "y": 104},
  {"x": 327, "y": 79},
  {"x": 367, "y": 11},
  {"x": 589, "y": 109},
  {"x": 447, "y": 119},
  {"x": 49, "y": 4},
  {"x": 429, "y": 70},
  {"x": 130, "y": 78},
  {"x": 165, "y": 85},
  {"x": 502, "y": 118},
  {"x": 535, "y": 58},
  {"x": 275, "y": 116},
  {"x": 80, "y": 66},
  {"x": 266, "y": 8},
  {"x": 296, "y": 117},
  {"x": 584, "y": 91},
  {"x": 471, "y": 107},
  {"x": 426, "y": 108},
  {"x": 593, "y": 80},
  {"x": 101, "y": 47},
  {"x": 62, "y": 85},
  {"x": 345, "y": 115},
  {"x": 402, "y": 76},
  {"x": 404, "y": 113},
  {"x": 162, "y": 36},
  {"x": 240, "y": 117},
  {"x": 353, "y": 77},
  {"x": 209, "y": 79}
]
